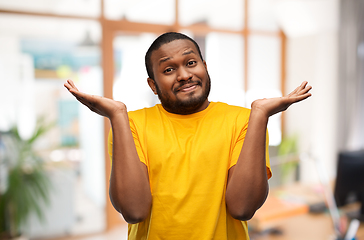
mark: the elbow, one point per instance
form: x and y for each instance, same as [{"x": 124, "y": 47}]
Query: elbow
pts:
[
  {"x": 243, "y": 214},
  {"x": 135, "y": 217},
  {"x": 243, "y": 209},
  {"x": 133, "y": 211}
]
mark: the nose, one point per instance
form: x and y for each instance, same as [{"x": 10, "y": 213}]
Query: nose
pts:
[{"x": 183, "y": 74}]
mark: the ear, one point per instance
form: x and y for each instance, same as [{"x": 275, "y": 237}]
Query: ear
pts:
[
  {"x": 151, "y": 84},
  {"x": 204, "y": 63}
]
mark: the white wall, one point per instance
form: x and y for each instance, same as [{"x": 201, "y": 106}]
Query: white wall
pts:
[{"x": 313, "y": 57}]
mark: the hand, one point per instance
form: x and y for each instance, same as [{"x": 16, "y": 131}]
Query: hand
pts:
[
  {"x": 272, "y": 106},
  {"x": 103, "y": 106}
]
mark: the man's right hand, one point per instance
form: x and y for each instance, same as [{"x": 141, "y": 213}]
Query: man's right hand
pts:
[
  {"x": 129, "y": 182},
  {"x": 103, "y": 106}
]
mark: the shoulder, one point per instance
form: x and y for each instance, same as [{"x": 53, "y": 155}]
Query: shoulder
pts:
[
  {"x": 230, "y": 110},
  {"x": 229, "y": 114},
  {"x": 142, "y": 113},
  {"x": 145, "y": 116}
]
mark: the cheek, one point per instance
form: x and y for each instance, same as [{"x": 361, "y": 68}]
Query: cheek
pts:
[
  {"x": 201, "y": 72},
  {"x": 165, "y": 87},
  {"x": 167, "y": 83}
]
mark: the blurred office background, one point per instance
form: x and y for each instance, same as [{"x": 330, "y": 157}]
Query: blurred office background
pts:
[{"x": 253, "y": 49}]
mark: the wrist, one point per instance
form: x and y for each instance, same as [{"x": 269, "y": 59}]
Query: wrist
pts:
[
  {"x": 258, "y": 110},
  {"x": 119, "y": 115}
]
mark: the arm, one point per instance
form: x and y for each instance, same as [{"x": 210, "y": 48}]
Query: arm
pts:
[
  {"x": 129, "y": 185},
  {"x": 247, "y": 186}
]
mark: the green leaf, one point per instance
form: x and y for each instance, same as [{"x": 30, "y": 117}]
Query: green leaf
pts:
[{"x": 28, "y": 182}]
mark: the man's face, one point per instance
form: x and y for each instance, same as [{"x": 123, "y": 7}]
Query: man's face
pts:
[{"x": 180, "y": 77}]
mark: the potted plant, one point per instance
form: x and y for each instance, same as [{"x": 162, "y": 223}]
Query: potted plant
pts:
[
  {"x": 288, "y": 152},
  {"x": 25, "y": 182}
]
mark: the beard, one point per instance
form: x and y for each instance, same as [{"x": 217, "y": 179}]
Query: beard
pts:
[{"x": 184, "y": 107}]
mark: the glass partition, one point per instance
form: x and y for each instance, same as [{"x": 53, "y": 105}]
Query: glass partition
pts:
[
  {"x": 89, "y": 8},
  {"x": 264, "y": 68},
  {"x": 264, "y": 77},
  {"x": 224, "y": 57},
  {"x": 228, "y": 14},
  {"x": 262, "y": 15},
  {"x": 130, "y": 82},
  {"x": 37, "y": 55},
  {"x": 144, "y": 11},
  {"x": 243, "y": 66}
]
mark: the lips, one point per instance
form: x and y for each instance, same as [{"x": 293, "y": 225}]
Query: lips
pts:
[{"x": 187, "y": 87}]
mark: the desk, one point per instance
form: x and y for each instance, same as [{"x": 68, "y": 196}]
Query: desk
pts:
[
  {"x": 302, "y": 225},
  {"x": 305, "y": 227}
]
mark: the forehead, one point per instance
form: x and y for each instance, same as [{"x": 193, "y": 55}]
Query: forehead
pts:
[{"x": 173, "y": 49}]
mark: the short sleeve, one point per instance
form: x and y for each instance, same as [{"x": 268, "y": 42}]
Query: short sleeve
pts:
[
  {"x": 137, "y": 142},
  {"x": 267, "y": 162},
  {"x": 109, "y": 144},
  {"x": 239, "y": 141},
  {"x": 239, "y": 144}
]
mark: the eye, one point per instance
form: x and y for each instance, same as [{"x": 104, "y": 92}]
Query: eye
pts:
[
  {"x": 191, "y": 63},
  {"x": 168, "y": 70}
]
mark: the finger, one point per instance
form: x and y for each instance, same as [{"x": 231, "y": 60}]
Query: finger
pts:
[
  {"x": 302, "y": 97},
  {"x": 81, "y": 95},
  {"x": 294, "y": 91},
  {"x": 68, "y": 86},
  {"x": 303, "y": 85},
  {"x": 305, "y": 90},
  {"x": 88, "y": 100},
  {"x": 71, "y": 83},
  {"x": 298, "y": 89}
]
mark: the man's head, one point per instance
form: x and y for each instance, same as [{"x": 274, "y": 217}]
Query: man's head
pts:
[
  {"x": 161, "y": 40},
  {"x": 178, "y": 74}
]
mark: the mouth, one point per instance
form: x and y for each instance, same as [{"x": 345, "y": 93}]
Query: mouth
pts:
[{"x": 188, "y": 87}]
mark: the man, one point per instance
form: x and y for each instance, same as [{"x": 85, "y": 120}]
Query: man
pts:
[{"x": 187, "y": 168}]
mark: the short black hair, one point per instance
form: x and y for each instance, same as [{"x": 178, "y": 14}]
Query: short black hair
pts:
[{"x": 161, "y": 40}]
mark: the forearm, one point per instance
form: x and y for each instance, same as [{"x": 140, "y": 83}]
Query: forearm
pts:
[
  {"x": 129, "y": 185},
  {"x": 247, "y": 186}
]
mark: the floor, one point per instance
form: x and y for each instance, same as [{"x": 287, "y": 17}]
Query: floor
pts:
[
  {"x": 89, "y": 223},
  {"x": 118, "y": 233}
]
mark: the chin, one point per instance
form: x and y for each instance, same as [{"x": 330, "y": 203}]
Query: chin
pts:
[
  {"x": 188, "y": 106},
  {"x": 185, "y": 103}
]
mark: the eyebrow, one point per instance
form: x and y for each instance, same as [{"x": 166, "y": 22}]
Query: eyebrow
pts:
[
  {"x": 164, "y": 60},
  {"x": 189, "y": 52},
  {"x": 168, "y": 58}
]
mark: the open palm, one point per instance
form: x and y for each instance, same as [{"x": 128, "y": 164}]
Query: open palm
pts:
[
  {"x": 271, "y": 106},
  {"x": 103, "y": 106}
]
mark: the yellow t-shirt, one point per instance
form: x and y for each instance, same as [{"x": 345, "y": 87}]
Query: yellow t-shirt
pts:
[{"x": 188, "y": 158}]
